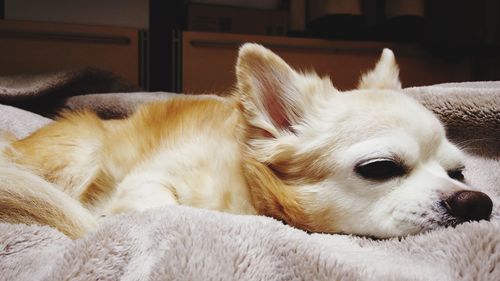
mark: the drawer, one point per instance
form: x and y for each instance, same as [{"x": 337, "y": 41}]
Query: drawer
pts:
[
  {"x": 38, "y": 47},
  {"x": 208, "y": 60}
]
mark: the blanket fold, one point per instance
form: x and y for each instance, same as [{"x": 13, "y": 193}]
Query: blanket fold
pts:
[
  {"x": 183, "y": 243},
  {"x": 46, "y": 93}
]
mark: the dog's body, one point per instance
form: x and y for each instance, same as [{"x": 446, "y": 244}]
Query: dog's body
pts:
[{"x": 371, "y": 161}]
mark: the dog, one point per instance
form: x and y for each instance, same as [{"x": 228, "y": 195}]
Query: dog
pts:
[{"x": 370, "y": 161}]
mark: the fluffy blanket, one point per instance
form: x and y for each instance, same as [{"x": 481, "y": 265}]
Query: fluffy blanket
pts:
[{"x": 182, "y": 243}]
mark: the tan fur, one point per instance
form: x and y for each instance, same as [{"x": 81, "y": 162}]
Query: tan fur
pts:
[
  {"x": 53, "y": 153},
  {"x": 280, "y": 146},
  {"x": 272, "y": 197},
  {"x": 26, "y": 198},
  {"x": 121, "y": 144}
]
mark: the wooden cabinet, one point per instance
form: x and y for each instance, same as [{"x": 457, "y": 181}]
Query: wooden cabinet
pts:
[
  {"x": 37, "y": 47},
  {"x": 204, "y": 62},
  {"x": 208, "y": 60}
]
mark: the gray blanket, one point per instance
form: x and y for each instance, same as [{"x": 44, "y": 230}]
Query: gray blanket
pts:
[{"x": 182, "y": 243}]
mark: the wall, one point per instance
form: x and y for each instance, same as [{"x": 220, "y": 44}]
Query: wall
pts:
[{"x": 129, "y": 13}]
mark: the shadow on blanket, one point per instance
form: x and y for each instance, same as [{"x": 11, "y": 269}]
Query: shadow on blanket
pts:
[{"x": 182, "y": 243}]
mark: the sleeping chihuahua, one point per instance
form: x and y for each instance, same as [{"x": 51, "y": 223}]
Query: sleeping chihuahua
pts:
[{"x": 289, "y": 145}]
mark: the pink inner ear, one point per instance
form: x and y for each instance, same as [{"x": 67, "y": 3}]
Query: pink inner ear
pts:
[
  {"x": 272, "y": 98},
  {"x": 276, "y": 111}
]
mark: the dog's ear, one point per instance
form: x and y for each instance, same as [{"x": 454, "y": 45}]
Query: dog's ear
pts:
[
  {"x": 385, "y": 75},
  {"x": 267, "y": 88}
]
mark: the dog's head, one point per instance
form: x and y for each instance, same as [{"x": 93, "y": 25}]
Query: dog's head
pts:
[{"x": 370, "y": 161}]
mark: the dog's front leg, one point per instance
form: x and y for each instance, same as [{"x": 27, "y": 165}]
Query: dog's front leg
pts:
[{"x": 140, "y": 191}]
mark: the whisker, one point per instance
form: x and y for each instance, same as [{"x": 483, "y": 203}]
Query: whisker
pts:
[{"x": 465, "y": 143}]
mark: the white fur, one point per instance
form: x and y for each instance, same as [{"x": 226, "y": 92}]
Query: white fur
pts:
[
  {"x": 385, "y": 75},
  {"x": 297, "y": 115},
  {"x": 377, "y": 120}
]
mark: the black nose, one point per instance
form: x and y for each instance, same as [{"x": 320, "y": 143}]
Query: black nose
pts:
[{"x": 469, "y": 205}]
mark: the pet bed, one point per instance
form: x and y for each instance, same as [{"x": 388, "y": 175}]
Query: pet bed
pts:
[{"x": 183, "y": 243}]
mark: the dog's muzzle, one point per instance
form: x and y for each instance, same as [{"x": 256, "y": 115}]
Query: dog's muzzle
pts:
[{"x": 466, "y": 205}]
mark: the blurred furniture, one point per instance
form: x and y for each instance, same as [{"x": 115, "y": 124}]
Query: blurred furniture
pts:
[
  {"x": 188, "y": 60},
  {"x": 208, "y": 60},
  {"x": 37, "y": 47}
]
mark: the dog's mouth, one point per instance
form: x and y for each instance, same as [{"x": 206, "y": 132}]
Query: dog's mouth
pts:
[
  {"x": 444, "y": 216},
  {"x": 445, "y": 219},
  {"x": 449, "y": 221}
]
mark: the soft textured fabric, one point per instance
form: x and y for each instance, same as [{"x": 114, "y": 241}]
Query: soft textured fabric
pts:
[
  {"x": 46, "y": 93},
  {"x": 471, "y": 112},
  {"x": 20, "y": 122},
  {"x": 182, "y": 243}
]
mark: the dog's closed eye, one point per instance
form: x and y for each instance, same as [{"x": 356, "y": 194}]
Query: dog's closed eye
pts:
[
  {"x": 456, "y": 174},
  {"x": 380, "y": 169}
]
